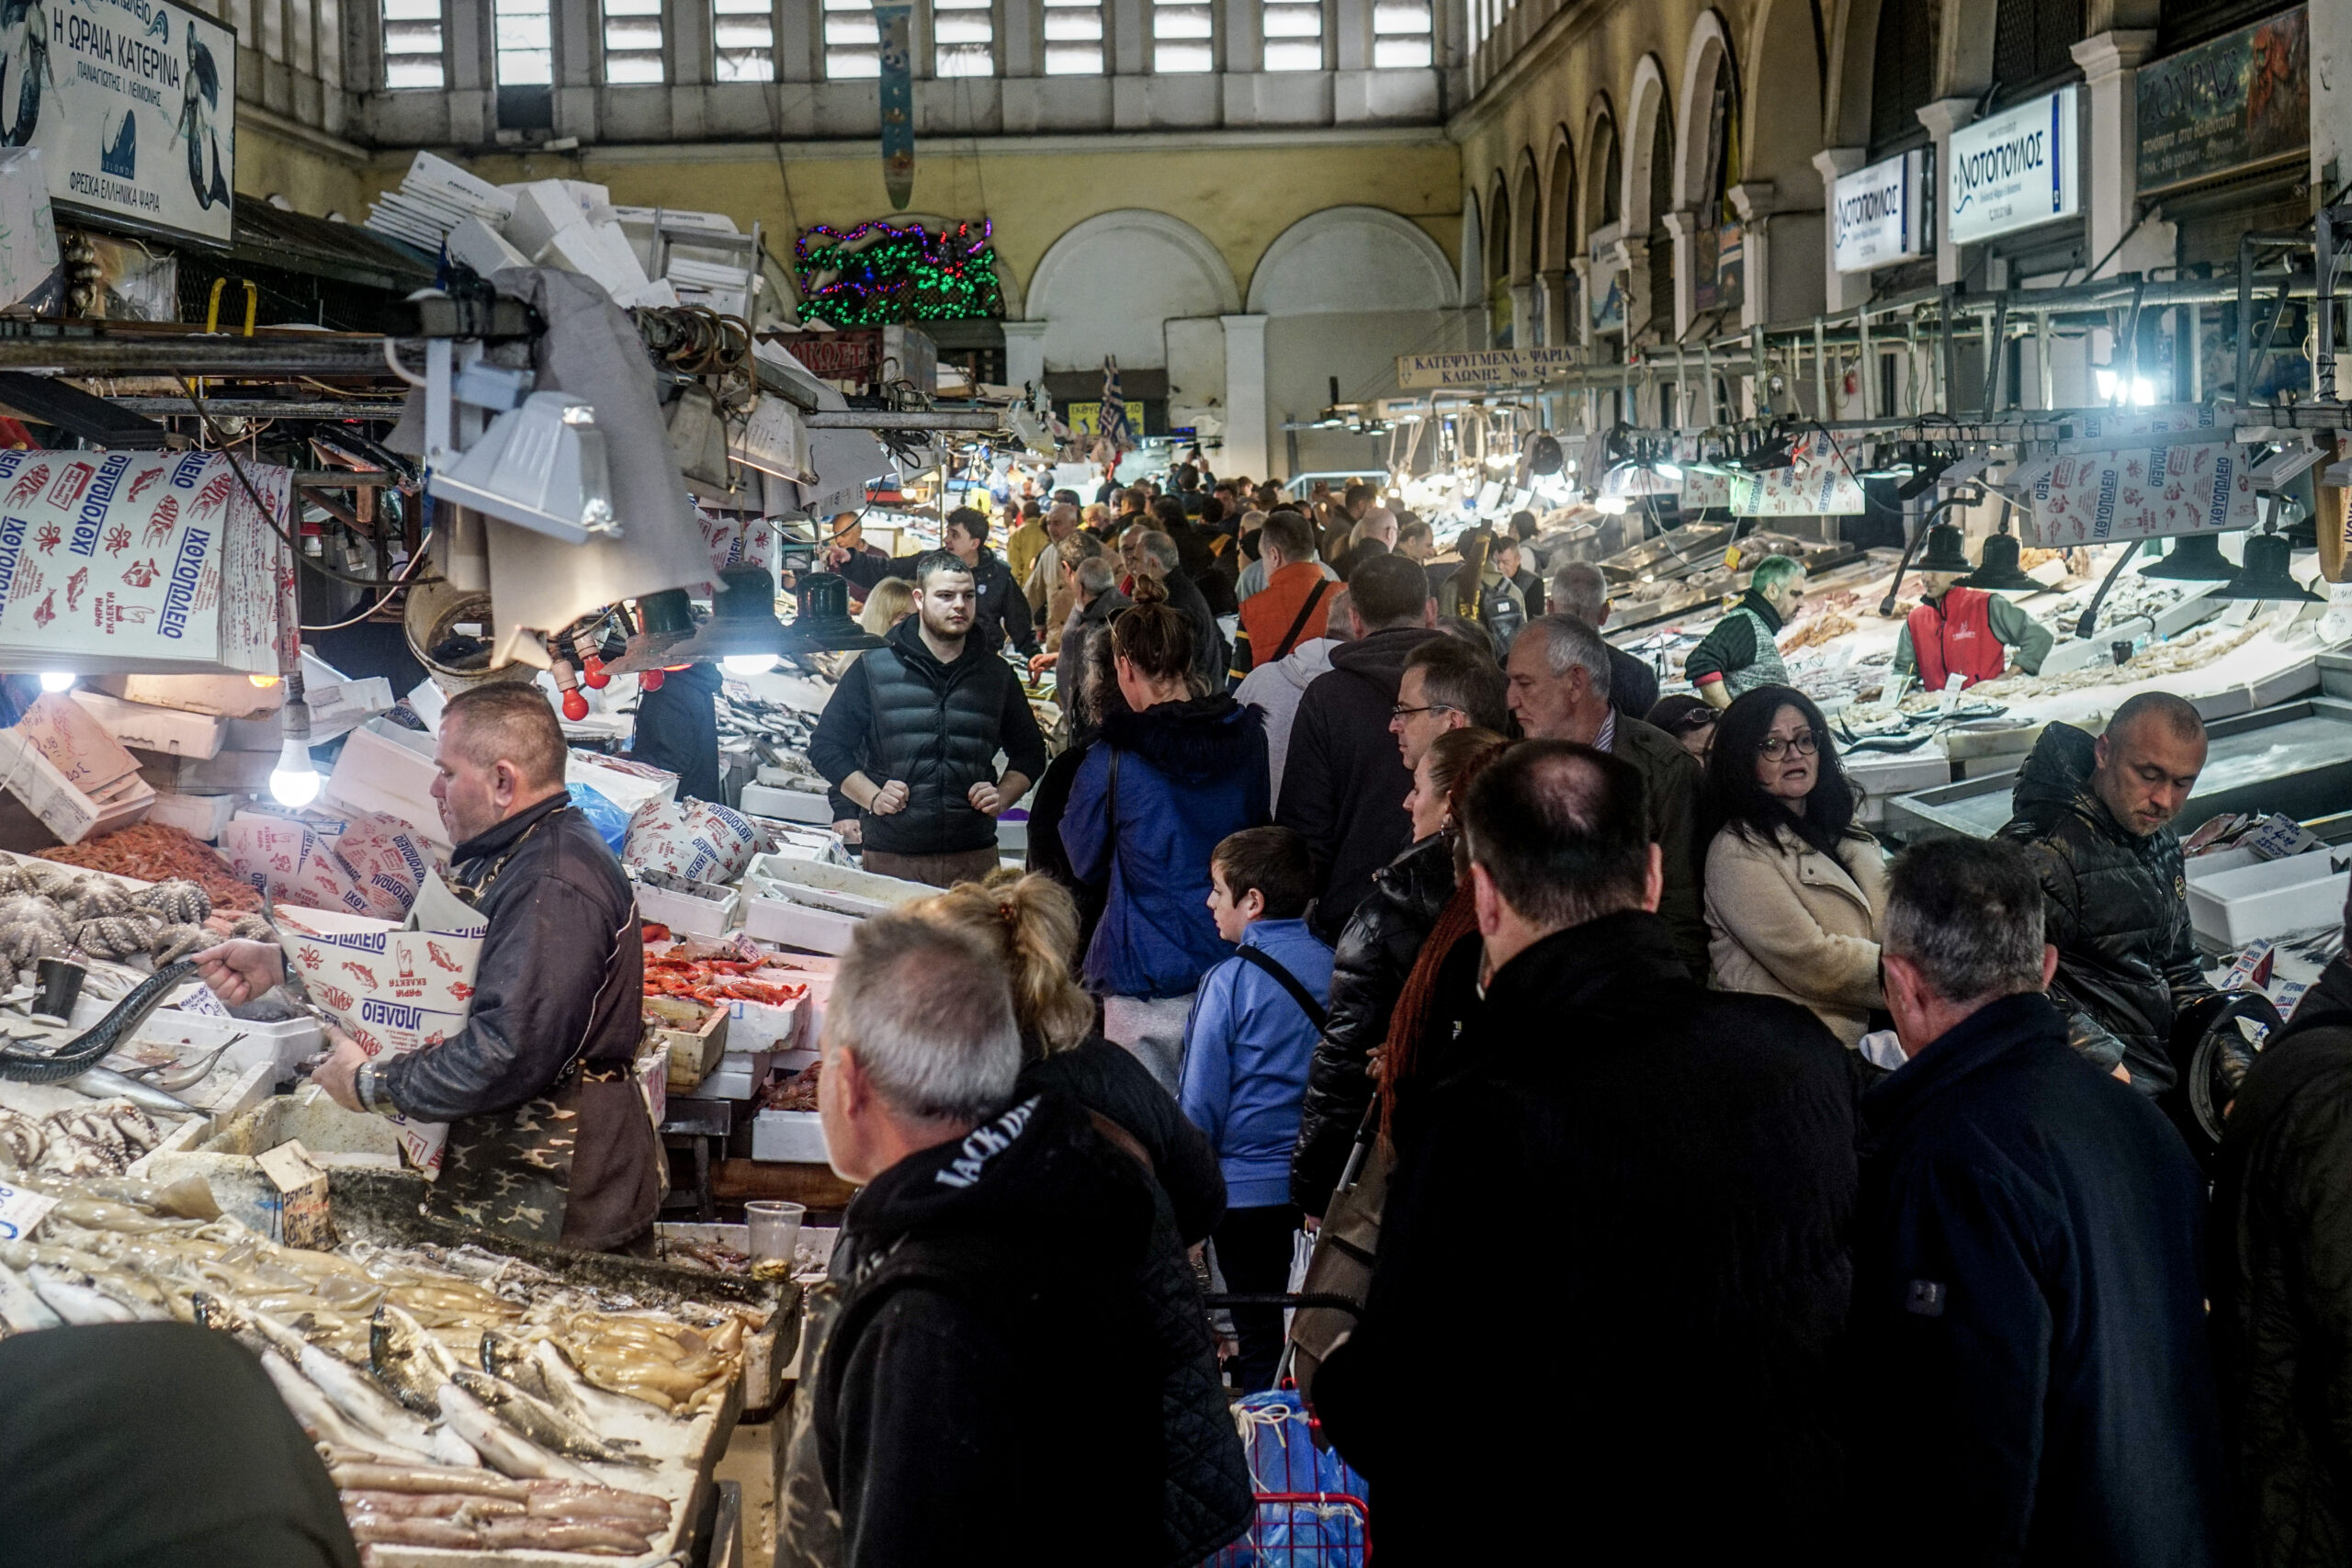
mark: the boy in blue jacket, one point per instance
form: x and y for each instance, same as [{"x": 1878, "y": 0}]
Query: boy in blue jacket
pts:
[{"x": 1252, "y": 1030}]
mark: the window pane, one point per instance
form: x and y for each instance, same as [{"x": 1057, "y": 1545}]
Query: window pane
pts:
[
  {"x": 1073, "y": 60},
  {"x": 1293, "y": 21},
  {"x": 963, "y": 34},
  {"x": 1293, "y": 56},
  {"x": 525, "y": 43},
  {"x": 853, "y": 43},
  {"x": 1400, "y": 17},
  {"x": 413, "y": 71},
  {"x": 1073, "y": 25},
  {"x": 1169, "y": 59},
  {"x": 1399, "y": 54}
]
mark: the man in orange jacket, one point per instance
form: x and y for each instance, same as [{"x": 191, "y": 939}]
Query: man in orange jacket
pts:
[{"x": 1297, "y": 600}]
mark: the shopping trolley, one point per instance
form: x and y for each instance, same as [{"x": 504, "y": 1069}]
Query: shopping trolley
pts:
[{"x": 1311, "y": 1507}]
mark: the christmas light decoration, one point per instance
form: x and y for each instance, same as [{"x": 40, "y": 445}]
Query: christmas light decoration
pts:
[{"x": 880, "y": 273}]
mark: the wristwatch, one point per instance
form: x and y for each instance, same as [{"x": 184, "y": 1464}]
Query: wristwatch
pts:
[{"x": 363, "y": 1086}]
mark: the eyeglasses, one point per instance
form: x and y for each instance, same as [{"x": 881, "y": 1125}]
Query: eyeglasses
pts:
[
  {"x": 1776, "y": 747},
  {"x": 1401, "y": 711}
]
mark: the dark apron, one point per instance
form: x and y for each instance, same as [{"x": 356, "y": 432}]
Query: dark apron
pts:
[{"x": 552, "y": 1170}]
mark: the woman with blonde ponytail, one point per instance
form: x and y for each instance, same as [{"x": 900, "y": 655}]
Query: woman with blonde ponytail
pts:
[{"x": 1205, "y": 1478}]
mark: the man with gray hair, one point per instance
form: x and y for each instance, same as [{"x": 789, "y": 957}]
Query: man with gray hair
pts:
[
  {"x": 1581, "y": 588},
  {"x": 991, "y": 1265},
  {"x": 2029, "y": 1307},
  {"x": 1099, "y": 601},
  {"x": 1560, "y": 679},
  {"x": 1156, "y": 555}
]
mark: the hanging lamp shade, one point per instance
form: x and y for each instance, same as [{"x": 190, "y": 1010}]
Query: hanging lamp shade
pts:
[
  {"x": 2195, "y": 557},
  {"x": 2265, "y": 574},
  {"x": 742, "y": 624},
  {"x": 824, "y": 624},
  {"x": 664, "y": 620},
  {"x": 2000, "y": 572},
  {"x": 1944, "y": 553}
]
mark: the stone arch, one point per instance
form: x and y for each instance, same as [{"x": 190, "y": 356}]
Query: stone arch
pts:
[
  {"x": 1111, "y": 283},
  {"x": 1604, "y": 173},
  {"x": 1650, "y": 106},
  {"x": 1854, "y": 50},
  {"x": 1498, "y": 231},
  {"x": 1708, "y": 52},
  {"x": 1343, "y": 260},
  {"x": 1782, "y": 53},
  {"x": 1472, "y": 273},
  {"x": 1527, "y": 216},
  {"x": 1964, "y": 47},
  {"x": 1561, "y": 241}
]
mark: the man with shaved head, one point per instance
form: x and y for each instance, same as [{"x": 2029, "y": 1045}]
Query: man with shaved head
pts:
[
  {"x": 548, "y": 1140},
  {"x": 2096, "y": 820}
]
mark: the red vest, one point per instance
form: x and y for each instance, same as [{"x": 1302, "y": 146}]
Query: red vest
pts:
[{"x": 1954, "y": 636}]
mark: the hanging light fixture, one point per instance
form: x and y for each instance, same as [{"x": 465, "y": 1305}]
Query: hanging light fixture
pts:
[
  {"x": 2267, "y": 574},
  {"x": 1999, "y": 572},
  {"x": 821, "y": 623},
  {"x": 664, "y": 620},
  {"x": 1945, "y": 553},
  {"x": 2195, "y": 557},
  {"x": 743, "y": 633}
]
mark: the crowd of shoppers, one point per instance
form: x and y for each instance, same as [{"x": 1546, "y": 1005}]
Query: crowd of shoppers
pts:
[{"x": 1851, "y": 1195}]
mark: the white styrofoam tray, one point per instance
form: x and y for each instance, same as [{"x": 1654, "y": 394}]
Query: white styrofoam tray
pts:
[
  {"x": 2236, "y": 905},
  {"x": 795, "y": 1137},
  {"x": 791, "y": 804},
  {"x": 684, "y": 912},
  {"x": 835, "y": 887},
  {"x": 283, "y": 1044},
  {"x": 788, "y": 924}
]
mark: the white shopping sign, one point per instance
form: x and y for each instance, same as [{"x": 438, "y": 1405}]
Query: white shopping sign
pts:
[
  {"x": 133, "y": 105},
  {"x": 2013, "y": 170},
  {"x": 1880, "y": 213}
]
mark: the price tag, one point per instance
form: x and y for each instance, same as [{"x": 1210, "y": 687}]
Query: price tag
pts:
[{"x": 21, "y": 1213}]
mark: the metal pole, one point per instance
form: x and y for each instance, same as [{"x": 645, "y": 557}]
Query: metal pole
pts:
[
  {"x": 2048, "y": 373},
  {"x": 2323, "y": 345},
  {"x": 1821, "y": 409},
  {"x": 1948, "y": 360},
  {"x": 1707, "y": 383},
  {"x": 2193, "y": 316},
  {"x": 1997, "y": 354},
  {"x": 1868, "y": 370}
]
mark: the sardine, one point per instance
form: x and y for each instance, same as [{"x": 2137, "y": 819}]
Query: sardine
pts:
[
  {"x": 542, "y": 1422},
  {"x": 504, "y": 1449},
  {"x": 77, "y": 1298},
  {"x": 367, "y": 1406},
  {"x": 408, "y": 1361},
  {"x": 21, "y": 1308}
]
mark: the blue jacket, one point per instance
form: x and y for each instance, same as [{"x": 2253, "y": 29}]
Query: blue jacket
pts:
[
  {"x": 1188, "y": 774},
  {"x": 1246, "y": 1050}
]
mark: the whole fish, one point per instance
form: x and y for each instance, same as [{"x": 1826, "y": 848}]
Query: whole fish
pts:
[
  {"x": 367, "y": 1406},
  {"x": 546, "y": 1373},
  {"x": 105, "y": 1083},
  {"x": 317, "y": 1417},
  {"x": 452, "y": 1450},
  {"x": 21, "y": 1308},
  {"x": 76, "y": 1297},
  {"x": 408, "y": 1361},
  {"x": 506, "y": 1449},
  {"x": 542, "y": 1422}
]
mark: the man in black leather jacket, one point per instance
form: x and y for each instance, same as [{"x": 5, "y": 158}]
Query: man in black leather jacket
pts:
[
  {"x": 548, "y": 1137},
  {"x": 2093, "y": 817}
]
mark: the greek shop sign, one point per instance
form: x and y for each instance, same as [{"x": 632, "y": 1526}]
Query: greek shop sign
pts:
[
  {"x": 1879, "y": 214},
  {"x": 2013, "y": 170},
  {"x": 132, "y": 104}
]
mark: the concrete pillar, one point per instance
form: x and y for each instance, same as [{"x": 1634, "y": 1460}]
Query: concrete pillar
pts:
[
  {"x": 1580, "y": 329},
  {"x": 1247, "y": 439},
  {"x": 2110, "y": 160},
  {"x": 1843, "y": 290},
  {"x": 1524, "y": 326},
  {"x": 1025, "y": 352},
  {"x": 1942, "y": 118},
  {"x": 1682, "y": 231},
  {"x": 1632, "y": 259},
  {"x": 1559, "y": 329},
  {"x": 1755, "y": 201}
]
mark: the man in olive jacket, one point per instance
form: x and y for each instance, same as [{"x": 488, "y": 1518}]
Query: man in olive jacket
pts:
[{"x": 1560, "y": 677}]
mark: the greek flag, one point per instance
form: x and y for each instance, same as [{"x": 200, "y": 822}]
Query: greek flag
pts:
[{"x": 1112, "y": 424}]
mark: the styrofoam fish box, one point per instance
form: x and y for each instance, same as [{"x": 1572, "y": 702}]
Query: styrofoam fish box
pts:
[
  {"x": 839, "y": 887},
  {"x": 788, "y": 924},
  {"x": 684, "y": 912},
  {"x": 790, "y": 804},
  {"x": 2235, "y": 905},
  {"x": 1012, "y": 833},
  {"x": 283, "y": 1042},
  {"x": 797, "y": 1137}
]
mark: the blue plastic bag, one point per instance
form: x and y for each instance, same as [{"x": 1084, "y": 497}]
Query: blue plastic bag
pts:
[
  {"x": 609, "y": 820},
  {"x": 1325, "y": 1531}
]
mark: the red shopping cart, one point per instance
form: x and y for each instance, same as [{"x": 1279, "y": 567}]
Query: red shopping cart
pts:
[{"x": 1311, "y": 1507}]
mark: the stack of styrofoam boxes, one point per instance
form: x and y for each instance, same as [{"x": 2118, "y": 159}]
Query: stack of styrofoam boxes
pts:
[
  {"x": 378, "y": 774},
  {"x": 207, "y": 743},
  {"x": 798, "y": 1136},
  {"x": 711, "y": 275},
  {"x": 437, "y": 198}
]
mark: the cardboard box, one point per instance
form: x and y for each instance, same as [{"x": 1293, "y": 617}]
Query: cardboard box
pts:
[
  {"x": 694, "y": 1053},
  {"x": 65, "y": 808},
  {"x": 599, "y": 253},
  {"x": 230, "y": 696},
  {"x": 543, "y": 209},
  {"x": 76, "y": 744},
  {"x": 174, "y": 731},
  {"x": 381, "y": 775},
  {"x": 199, "y": 815},
  {"x": 787, "y": 804},
  {"x": 483, "y": 248}
]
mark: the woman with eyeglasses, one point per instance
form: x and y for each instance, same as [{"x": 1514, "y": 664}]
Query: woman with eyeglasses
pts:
[{"x": 1796, "y": 885}]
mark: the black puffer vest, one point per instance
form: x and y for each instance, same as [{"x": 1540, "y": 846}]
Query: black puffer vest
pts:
[{"x": 936, "y": 727}]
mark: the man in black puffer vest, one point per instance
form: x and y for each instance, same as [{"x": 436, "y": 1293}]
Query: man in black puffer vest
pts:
[
  {"x": 991, "y": 1278},
  {"x": 912, "y": 733},
  {"x": 2094, "y": 818}
]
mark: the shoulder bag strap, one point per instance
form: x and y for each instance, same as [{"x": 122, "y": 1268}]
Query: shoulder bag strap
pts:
[
  {"x": 1298, "y": 625},
  {"x": 1262, "y": 959}
]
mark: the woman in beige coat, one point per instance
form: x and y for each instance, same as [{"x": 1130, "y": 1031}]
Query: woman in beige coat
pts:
[{"x": 1794, "y": 886}]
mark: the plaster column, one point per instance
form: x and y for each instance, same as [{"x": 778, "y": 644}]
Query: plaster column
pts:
[
  {"x": 1025, "y": 352},
  {"x": 1559, "y": 332},
  {"x": 1246, "y": 437},
  {"x": 2109, "y": 164},
  {"x": 1942, "y": 118},
  {"x": 1682, "y": 230},
  {"x": 1842, "y": 290},
  {"x": 1755, "y": 202},
  {"x": 1523, "y": 325},
  {"x": 1580, "y": 331},
  {"x": 1632, "y": 261}
]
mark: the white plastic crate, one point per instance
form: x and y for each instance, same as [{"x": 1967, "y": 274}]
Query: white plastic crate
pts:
[
  {"x": 2231, "y": 905},
  {"x": 795, "y": 1137},
  {"x": 684, "y": 912}
]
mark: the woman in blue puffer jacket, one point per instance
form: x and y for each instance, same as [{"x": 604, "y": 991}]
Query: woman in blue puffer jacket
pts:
[{"x": 1168, "y": 780}]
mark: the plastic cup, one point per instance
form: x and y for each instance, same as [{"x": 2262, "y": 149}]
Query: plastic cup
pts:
[
  {"x": 775, "y": 1229},
  {"x": 59, "y": 987}
]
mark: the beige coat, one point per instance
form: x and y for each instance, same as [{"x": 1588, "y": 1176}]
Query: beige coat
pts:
[{"x": 1787, "y": 921}]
